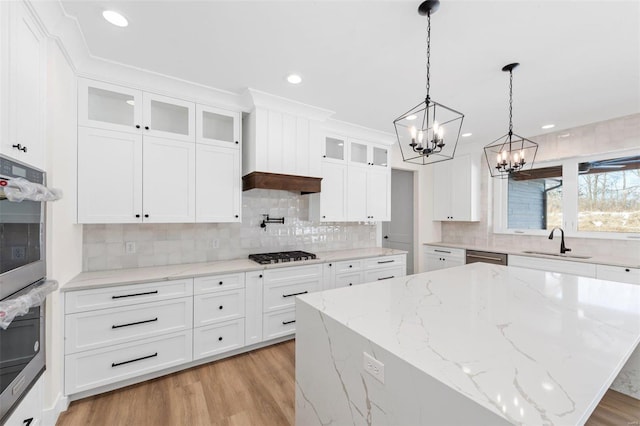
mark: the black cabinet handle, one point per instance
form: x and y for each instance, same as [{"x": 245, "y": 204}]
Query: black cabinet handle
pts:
[
  {"x": 146, "y": 215},
  {"x": 27, "y": 422},
  {"x": 350, "y": 266},
  {"x": 137, "y": 215},
  {"x": 295, "y": 294},
  {"x": 135, "y": 294},
  {"x": 237, "y": 142},
  {"x": 442, "y": 251},
  {"x": 115, "y": 364},
  {"x": 386, "y": 278},
  {"x": 627, "y": 270},
  {"x": 137, "y": 126},
  {"x": 386, "y": 237},
  {"x": 220, "y": 339},
  {"x": 331, "y": 264},
  {"x": 260, "y": 276},
  {"x": 385, "y": 261},
  {"x": 220, "y": 283},
  {"x": 134, "y": 323},
  {"x": 288, "y": 322},
  {"x": 324, "y": 217},
  {"x": 146, "y": 127},
  {"x": 324, "y": 156},
  {"x": 350, "y": 283},
  {"x": 19, "y": 147},
  {"x": 220, "y": 307},
  {"x": 236, "y": 216}
]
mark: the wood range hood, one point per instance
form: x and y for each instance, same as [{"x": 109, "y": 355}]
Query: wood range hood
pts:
[{"x": 294, "y": 183}]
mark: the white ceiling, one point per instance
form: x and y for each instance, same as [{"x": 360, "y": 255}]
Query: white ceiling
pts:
[{"x": 580, "y": 60}]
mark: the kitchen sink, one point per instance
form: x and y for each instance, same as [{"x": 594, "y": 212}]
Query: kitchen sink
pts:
[{"x": 546, "y": 253}]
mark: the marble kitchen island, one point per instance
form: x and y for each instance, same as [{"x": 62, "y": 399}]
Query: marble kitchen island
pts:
[{"x": 474, "y": 345}]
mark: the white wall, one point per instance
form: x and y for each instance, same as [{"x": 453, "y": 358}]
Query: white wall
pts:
[{"x": 64, "y": 238}]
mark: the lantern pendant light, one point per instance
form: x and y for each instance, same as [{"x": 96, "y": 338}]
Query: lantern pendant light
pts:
[
  {"x": 510, "y": 153},
  {"x": 429, "y": 132}
]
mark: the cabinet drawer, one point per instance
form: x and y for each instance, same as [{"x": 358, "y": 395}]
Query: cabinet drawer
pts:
[
  {"x": 551, "y": 265},
  {"x": 107, "y": 327},
  {"x": 218, "y": 283},
  {"x": 384, "y": 261},
  {"x": 445, "y": 252},
  {"x": 384, "y": 274},
  {"x": 92, "y": 369},
  {"x": 283, "y": 295},
  {"x": 280, "y": 323},
  {"x": 346, "y": 280},
  {"x": 348, "y": 266},
  {"x": 216, "y": 307},
  {"x": 618, "y": 273},
  {"x": 292, "y": 273},
  {"x": 125, "y": 295},
  {"x": 218, "y": 338}
]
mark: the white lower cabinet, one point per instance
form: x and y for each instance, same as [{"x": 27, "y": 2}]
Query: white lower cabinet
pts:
[
  {"x": 353, "y": 272},
  {"x": 279, "y": 323},
  {"x": 618, "y": 273},
  {"x": 552, "y": 265},
  {"x": 218, "y": 338},
  {"x": 253, "y": 308},
  {"x": 91, "y": 369},
  {"x": 437, "y": 257}
]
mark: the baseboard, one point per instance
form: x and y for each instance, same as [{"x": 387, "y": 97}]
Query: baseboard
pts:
[{"x": 50, "y": 415}]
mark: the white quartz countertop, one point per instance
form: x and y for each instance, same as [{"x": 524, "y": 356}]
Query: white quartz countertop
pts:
[
  {"x": 531, "y": 346},
  {"x": 630, "y": 260},
  {"x": 87, "y": 280}
]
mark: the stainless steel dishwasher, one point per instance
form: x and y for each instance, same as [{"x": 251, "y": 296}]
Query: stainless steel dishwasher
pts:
[{"x": 474, "y": 256}]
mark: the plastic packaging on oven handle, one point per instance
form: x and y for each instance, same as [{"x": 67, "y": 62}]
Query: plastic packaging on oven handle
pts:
[
  {"x": 11, "y": 308},
  {"x": 20, "y": 189}
]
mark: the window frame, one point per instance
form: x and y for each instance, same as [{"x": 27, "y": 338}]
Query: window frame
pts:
[{"x": 569, "y": 199}]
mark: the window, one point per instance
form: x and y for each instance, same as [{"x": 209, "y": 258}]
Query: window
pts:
[
  {"x": 609, "y": 195},
  {"x": 595, "y": 197},
  {"x": 535, "y": 199}
]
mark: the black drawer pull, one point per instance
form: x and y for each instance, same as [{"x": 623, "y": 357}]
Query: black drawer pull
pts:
[
  {"x": 386, "y": 278},
  {"x": 220, "y": 283},
  {"x": 135, "y": 294},
  {"x": 295, "y": 294},
  {"x": 442, "y": 251},
  {"x": 288, "y": 322},
  {"x": 219, "y": 339},
  {"x": 220, "y": 307},
  {"x": 385, "y": 261},
  {"x": 627, "y": 270},
  {"x": 134, "y": 323},
  {"x": 115, "y": 364}
]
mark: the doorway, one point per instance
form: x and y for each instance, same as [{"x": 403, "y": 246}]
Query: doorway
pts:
[{"x": 398, "y": 233}]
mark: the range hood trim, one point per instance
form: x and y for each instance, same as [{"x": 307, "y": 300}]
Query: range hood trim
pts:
[{"x": 294, "y": 183}]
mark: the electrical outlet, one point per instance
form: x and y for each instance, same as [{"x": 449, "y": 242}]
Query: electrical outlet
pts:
[
  {"x": 215, "y": 243},
  {"x": 130, "y": 247},
  {"x": 373, "y": 367},
  {"x": 18, "y": 253}
]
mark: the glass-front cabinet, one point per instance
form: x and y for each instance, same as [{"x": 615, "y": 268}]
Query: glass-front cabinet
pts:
[
  {"x": 334, "y": 148},
  {"x": 359, "y": 153},
  {"x": 111, "y": 107},
  {"x": 367, "y": 154},
  {"x": 217, "y": 127},
  {"x": 380, "y": 156}
]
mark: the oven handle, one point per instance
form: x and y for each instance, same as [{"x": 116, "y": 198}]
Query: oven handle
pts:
[{"x": 18, "y": 306}]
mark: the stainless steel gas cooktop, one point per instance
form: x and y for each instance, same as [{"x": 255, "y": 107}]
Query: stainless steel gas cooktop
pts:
[{"x": 283, "y": 256}]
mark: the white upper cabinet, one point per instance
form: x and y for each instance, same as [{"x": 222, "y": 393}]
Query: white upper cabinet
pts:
[
  {"x": 330, "y": 205},
  {"x": 456, "y": 189},
  {"x": 22, "y": 66},
  {"x": 378, "y": 195},
  {"x": 218, "y": 127},
  {"x": 168, "y": 117},
  {"x": 112, "y": 107},
  {"x": 218, "y": 184},
  {"x": 334, "y": 149},
  {"x": 368, "y": 154}
]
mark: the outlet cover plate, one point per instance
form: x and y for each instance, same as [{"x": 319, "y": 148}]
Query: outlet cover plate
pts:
[{"x": 373, "y": 367}]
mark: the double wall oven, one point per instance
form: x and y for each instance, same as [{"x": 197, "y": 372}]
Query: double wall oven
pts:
[{"x": 22, "y": 268}]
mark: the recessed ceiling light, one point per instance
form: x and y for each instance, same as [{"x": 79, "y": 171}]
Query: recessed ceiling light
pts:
[
  {"x": 131, "y": 102},
  {"x": 294, "y": 79},
  {"x": 466, "y": 135},
  {"x": 548, "y": 126},
  {"x": 115, "y": 18},
  {"x": 411, "y": 117}
]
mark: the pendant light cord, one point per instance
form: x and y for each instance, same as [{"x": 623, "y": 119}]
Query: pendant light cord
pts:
[
  {"x": 428, "y": 55},
  {"x": 510, "y": 102}
]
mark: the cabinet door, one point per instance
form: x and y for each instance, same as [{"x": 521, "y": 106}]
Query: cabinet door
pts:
[
  {"x": 108, "y": 106},
  {"x": 169, "y": 181},
  {"x": 25, "y": 88},
  {"x": 357, "y": 193},
  {"x": 618, "y": 273},
  {"x": 460, "y": 190},
  {"x": 442, "y": 189},
  {"x": 168, "y": 117},
  {"x": 434, "y": 262},
  {"x": 334, "y": 148},
  {"x": 109, "y": 176},
  {"x": 216, "y": 126},
  {"x": 253, "y": 307},
  {"x": 218, "y": 190},
  {"x": 333, "y": 194},
  {"x": 379, "y": 156},
  {"x": 359, "y": 153},
  {"x": 379, "y": 195}
]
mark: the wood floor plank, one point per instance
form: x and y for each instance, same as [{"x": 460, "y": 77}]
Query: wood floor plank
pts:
[{"x": 257, "y": 388}]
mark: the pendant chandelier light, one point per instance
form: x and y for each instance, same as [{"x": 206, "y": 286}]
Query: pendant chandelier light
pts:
[
  {"x": 510, "y": 153},
  {"x": 429, "y": 132}
]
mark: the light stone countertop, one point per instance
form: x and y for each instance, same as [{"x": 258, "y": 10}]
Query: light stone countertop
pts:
[
  {"x": 87, "y": 280},
  {"x": 630, "y": 260},
  {"x": 530, "y": 346}
]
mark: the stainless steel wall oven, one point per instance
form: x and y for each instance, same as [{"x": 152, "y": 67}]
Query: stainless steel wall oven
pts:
[{"x": 22, "y": 268}]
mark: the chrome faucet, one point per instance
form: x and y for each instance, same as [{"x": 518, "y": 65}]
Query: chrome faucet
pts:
[{"x": 563, "y": 249}]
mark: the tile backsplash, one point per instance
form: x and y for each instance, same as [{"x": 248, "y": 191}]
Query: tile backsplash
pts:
[{"x": 105, "y": 246}]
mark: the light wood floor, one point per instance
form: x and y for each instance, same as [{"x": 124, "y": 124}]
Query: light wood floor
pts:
[{"x": 252, "y": 389}]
